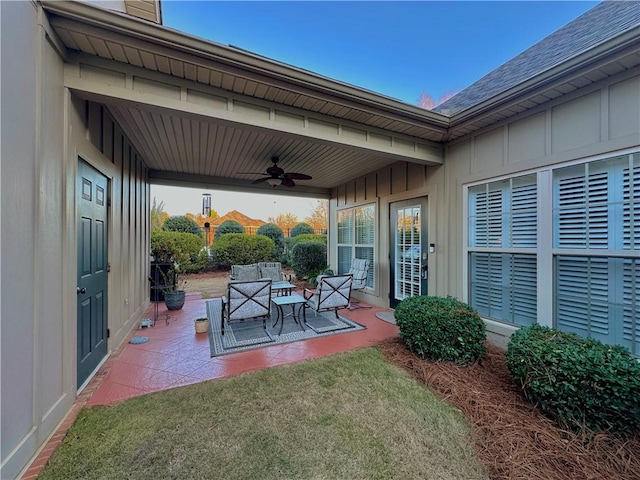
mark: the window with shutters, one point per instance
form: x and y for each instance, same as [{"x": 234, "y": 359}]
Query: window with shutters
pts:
[
  {"x": 356, "y": 238},
  {"x": 596, "y": 239},
  {"x": 502, "y": 240}
]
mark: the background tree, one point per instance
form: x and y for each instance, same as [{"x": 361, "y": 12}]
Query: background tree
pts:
[
  {"x": 286, "y": 221},
  {"x": 158, "y": 216},
  {"x": 427, "y": 102},
  {"x": 182, "y": 223},
  {"x": 301, "y": 228},
  {"x": 274, "y": 232},
  {"x": 228, "y": 226},
  {"x": 319, "y": 216}
]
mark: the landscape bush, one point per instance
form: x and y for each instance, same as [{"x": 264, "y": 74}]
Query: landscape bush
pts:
[
  {"x": 179, "y": 247},
  {"x": 579, "y": 382},
  {"x": 310, "y": 237},
  {"x": 441, "y": 328},
  {"x": 241, "y": 249},
  {"x": 308, "y": 258},
  {"x": 274, "y": 232},
  {"x": 301, "y": 228},
  {"x": 228, "y": 226},
  {"x": 180, "y": 223}
]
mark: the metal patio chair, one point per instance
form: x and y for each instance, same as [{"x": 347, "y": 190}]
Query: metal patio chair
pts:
[
  {"x": 360, "y": 271},
  {"x": 246, "y": 300},
  {"x": 332, "y": 294}
]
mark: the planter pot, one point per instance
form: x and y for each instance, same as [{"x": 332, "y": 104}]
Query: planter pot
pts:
[
  {"x": 174, "y": 300},
  {"x": 202, "y": 325},
  {"x": 160, "y": 280}
]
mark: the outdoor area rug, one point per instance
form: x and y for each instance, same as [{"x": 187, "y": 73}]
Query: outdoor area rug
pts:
[{"x": 249, "y": 334}]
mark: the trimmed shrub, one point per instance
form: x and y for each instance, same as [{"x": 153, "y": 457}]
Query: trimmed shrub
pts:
[
  {"x": 440, "y": 328},
  {"x": 180, "y": 247},
  {"x": 301, "y": 228},
  {"x": 242, "y": 249},
  {"x": 274, "y": 232},
  {"x": 310, "y": 237},
  {"x": 580, "y": 382},
  {"x": 180, "y": 223},
  {"x": 201, "y": 263},
  {"x": 228, "y": 226},
  {"x": 308, "y": 258}
]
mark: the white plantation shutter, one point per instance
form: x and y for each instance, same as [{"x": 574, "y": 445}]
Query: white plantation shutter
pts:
[
  {"x": 524, "y": 295},
  {"x": 356, "y": 239},
  {"x": 503, "y": 286},
  {"x": 582, "y": 209},
  {"x": 488, "y": 218},
  {"x": 504, "y": 214},
  {"x": 631, "y": 305},
  {"x": 524, "y": 216},
  {"x": 631, "y": 208},
  {"x": 486, "y": 284},
  {"x": 582, "y": 296}
]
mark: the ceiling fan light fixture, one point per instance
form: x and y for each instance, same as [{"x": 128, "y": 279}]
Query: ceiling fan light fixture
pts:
[{"x": 274, "y": 182}]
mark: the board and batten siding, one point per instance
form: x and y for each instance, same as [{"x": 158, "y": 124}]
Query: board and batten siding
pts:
[
  {"x": 129, "y": 217},
  {"x": 47, "y": 131},
  {"x": 596, "y": 120},
  {"x": 603, "y": 117}
]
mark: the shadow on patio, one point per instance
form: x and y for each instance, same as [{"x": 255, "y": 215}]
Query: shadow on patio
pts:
[{"x": 175, "y": 355}]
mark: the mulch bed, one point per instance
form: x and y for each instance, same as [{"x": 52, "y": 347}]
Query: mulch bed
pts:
[{"x": 511, "y": 437}]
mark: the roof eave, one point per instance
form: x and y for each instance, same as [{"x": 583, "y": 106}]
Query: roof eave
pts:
[
  {"x": 565, "y": 69},
  {"x": 238, "y": 58}
]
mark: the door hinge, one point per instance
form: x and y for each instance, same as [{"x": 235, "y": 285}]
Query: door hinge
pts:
[
  {"x": 108, "y": 333},
  {"x": 109, "y": 267}
]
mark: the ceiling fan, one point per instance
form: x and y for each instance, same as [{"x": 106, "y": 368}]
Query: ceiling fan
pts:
[{"x": 277, "y": 176}]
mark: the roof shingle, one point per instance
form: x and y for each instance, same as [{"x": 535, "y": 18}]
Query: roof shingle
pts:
[{"x": 603, "y": 22}]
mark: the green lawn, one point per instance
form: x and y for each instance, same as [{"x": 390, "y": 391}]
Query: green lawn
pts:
[{"x": 352, "y": 415}]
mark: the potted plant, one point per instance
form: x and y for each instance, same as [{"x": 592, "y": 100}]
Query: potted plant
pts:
[
  {"x": 202, "y": 324},
  {"x": 173, "y": 289}
]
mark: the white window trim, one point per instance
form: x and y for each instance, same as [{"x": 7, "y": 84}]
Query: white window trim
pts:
[
  {"x": 354, "y": 245},
  {"x": 545, "y": 253}
]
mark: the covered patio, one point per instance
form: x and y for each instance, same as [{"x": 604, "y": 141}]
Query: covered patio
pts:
[{"x": 176, "y": 356}]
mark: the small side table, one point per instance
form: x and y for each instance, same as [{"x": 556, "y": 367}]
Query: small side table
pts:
[
  {"x": 282, "y": 288},
  {"x": 294, "y": 300}
]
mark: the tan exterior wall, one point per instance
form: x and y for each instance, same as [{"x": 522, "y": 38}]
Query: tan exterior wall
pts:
[
  {"x": 603, "y": 117},
  {"x": 44, "y": 131}
]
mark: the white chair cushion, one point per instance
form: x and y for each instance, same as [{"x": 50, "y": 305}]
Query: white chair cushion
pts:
[{"x": 245, "y": 273}]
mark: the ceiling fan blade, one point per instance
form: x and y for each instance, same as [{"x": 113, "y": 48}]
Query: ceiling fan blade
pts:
[
  {"x": 260, "y": 180},
  {"x": 287, "y": 182},
  {"x": 275, "y": 170},
  {"x": 298, "y": 176}
]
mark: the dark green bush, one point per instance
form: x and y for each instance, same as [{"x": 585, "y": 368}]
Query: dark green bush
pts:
[
  {"x": 180, "y": 247},
  {"x": 228, "y": 226},
  {"x": 274, "y": 232},
  {"x": 441, "y": 328},
  {"x": 310, "y": 237},
  {"x": 577, "y": 381},
  {"x": 242, "y": 249},
  {"x": 200, "y": 263},
  {"x": 308, "y": 258},
  {"x": 183, "y": 224},
  {"x": 301, "y": 228}
]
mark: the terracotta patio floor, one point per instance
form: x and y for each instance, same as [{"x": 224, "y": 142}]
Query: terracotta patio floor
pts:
[{"x": 176, "y": 356}]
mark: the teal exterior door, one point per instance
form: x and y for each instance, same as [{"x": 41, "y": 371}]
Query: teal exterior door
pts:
[
  {"x": 92, "y": 269},
  {"x": 408, "y": 249}
]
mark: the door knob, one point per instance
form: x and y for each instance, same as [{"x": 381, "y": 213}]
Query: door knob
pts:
[{"x": 81, "y": 291}]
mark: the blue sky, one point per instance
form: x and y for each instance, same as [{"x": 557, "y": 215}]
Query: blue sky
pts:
[{"x": 399, "y": 49}]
